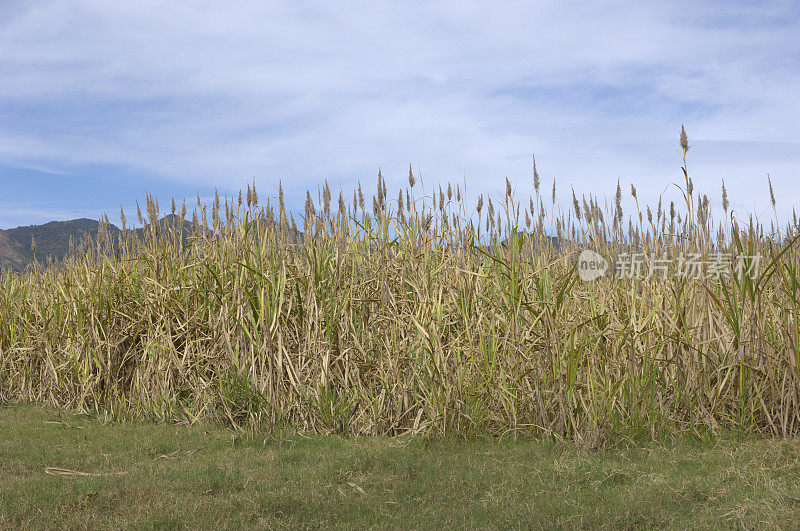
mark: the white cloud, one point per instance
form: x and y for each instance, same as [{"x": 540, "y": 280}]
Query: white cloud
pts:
[{"x": 15, "y": 215}]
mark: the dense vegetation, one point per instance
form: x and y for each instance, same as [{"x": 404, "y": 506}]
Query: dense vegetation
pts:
[{"x": 422, "y": 313}]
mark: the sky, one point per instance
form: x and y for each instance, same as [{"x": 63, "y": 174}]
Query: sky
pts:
[{"x": 102, "y": 102}]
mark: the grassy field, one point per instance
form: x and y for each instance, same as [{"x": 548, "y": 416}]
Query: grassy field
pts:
[{"x": 61, "y": 469}]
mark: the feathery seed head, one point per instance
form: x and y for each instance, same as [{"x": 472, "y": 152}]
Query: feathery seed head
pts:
[
  {"x": 771, "y": 191},
  {"x": 725, "y": 202},
  {"x": 576, "y": 205},
  {"x": 309, "y": 204},
  {"x": 684, "y": 139},
  {"x": 326, "y": 198}
]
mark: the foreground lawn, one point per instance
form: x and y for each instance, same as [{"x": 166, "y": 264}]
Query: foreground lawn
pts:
[{"x": 59, "y": 469}]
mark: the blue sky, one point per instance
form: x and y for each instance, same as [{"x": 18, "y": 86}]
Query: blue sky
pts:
[{"x": 101, "y": 102}]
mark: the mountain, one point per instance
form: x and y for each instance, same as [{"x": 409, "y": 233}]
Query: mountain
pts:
[
  {"x": 52, "y": 241},
  {"x": 12, "y": 252},
  {"x": 168, "y": 223}
]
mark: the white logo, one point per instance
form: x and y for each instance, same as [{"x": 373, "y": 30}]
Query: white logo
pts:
[{"x": 591, "y": 265}]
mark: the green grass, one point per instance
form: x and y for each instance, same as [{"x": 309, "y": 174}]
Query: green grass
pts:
[{"x": 162, "y": 475}]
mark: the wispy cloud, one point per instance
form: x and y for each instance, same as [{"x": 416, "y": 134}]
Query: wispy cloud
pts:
[
  {"x": 205, "y": 93},
  {"x": 17, "y": 214}
]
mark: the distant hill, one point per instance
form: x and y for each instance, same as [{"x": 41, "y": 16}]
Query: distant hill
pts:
[
  {"x": 12, "y": 252},
  {"x": 52, "y": 239}
]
